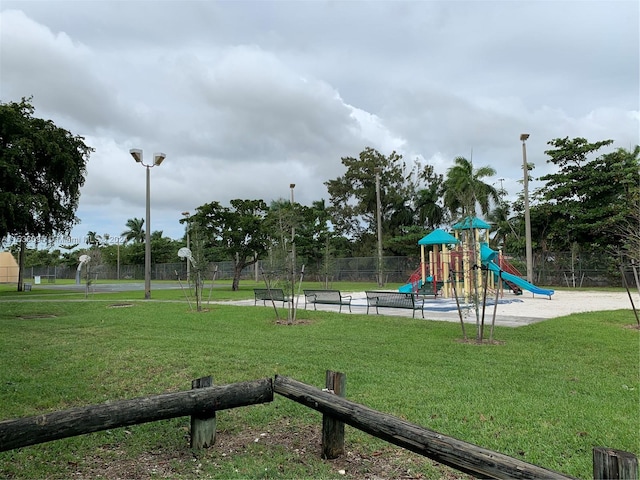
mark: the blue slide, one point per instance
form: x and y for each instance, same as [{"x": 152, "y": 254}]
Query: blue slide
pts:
[
  {"x": 408, "y": 288},
  {"x": 520, "y": 282}
]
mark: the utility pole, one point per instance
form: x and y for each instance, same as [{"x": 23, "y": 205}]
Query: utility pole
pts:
[
  {"x": 527, "y": 214},
  {"x": 379, "y": 226}
]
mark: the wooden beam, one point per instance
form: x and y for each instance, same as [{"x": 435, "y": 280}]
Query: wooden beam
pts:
[
  {"x": 450, "y": 451},
  {"x": 77, "y": 421}
]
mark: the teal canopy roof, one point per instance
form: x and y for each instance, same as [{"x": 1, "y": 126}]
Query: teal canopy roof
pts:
[
  {"x": 438, "y": 237},
  {"x": 469, "y": 223}
]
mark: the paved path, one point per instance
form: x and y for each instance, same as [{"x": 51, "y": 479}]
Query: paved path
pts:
[{"x": 512, "y": 310}]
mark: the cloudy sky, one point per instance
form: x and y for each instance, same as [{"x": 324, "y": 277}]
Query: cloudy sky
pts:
[{"x": 246, "y": 97}]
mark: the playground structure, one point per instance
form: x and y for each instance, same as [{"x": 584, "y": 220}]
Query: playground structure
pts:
[{"x": 459, "y": 264}]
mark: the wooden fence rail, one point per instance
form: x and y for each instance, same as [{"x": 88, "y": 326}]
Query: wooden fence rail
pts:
[
  {"x": 77, "y": 421},
  {"x": 450, "y": 451},
  {"x": 204, "y": 400}
]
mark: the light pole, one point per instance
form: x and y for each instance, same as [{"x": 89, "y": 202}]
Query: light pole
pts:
[
  {"x": 186, "y": 215},
  {"x": 379, "y": 226},
  {"x": 118, "y": 261},
  {"x": 158, "y": 158},
  {"x": 527, "y": 215}
]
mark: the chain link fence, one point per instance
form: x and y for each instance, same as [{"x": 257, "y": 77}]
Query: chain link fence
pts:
[{"x": 552, "y": 269}]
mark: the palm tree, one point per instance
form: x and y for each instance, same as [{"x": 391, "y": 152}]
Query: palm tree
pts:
[
  {"x": 464, "y": 189},
  {"x": 502, "y": 227},
  {"x": 135, "y": 230},
  {"x": 93, "y": 239},
  {"x": 429, "y": 213}
]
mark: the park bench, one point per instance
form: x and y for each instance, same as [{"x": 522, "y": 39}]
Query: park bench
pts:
[
  {"x": 409, "y": 301},
  {"x": 326, "y": 297},
  {"x": 269, "y": 294}
]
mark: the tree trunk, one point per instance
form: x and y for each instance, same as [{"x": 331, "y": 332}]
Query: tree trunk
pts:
[{"x": 237, "y": 270}]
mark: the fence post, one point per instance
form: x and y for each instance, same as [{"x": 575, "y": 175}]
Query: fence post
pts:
[
  {"x": 332, "y": 429},
  {"x": 609, "y": 464},
  {"x": 203, "y": 427}
]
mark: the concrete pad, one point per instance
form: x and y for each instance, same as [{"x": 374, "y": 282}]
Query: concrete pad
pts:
[{"x": 512, "y": 310}]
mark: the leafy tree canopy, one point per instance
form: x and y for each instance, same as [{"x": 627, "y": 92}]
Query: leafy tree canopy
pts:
[
  {"x": 408, "y": 195},
  {"x": 135, "y": 230},
  {"x": 464, "y": 189},
  {"x": 42, "y": 168},
  {"x": 240, "y": 230},
  {"x": 591, "y": 195}
]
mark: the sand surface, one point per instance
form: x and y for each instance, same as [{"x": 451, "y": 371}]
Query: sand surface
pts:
[
  {"x": 565, "y": 303},
  {"x": 516, "y": 310}
]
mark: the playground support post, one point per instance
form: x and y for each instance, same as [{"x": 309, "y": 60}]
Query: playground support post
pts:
[
  {"x": 484, "y": 299},
  {"x": 495, "y": 307},
  {"x": 446, "y": 263}
]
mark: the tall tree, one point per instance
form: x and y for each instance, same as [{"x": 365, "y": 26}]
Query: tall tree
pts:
[
  {"x": 353, "y": 198},
  {"x": 464, "y": 189},
  {"x": 282, "y": 221},
  {"x": 315, "y": 235},
  {"x": 163, "y": 249},
  {"x": 240, "y": 231},
  {"x": 94, "y": 239},
  {"x": 42, "y": 168},
  {"x": 502, "y": 225},
  {"x": 135, "y": 230},
  {"x": 590, "y": 195},
  {"x": 429, "y": 210}
]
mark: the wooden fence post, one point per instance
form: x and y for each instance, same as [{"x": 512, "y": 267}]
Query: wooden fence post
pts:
[
  {"x": 609, "y": 464},
  {"x": 332, "y": 429},
  {"x": 203, "y": 426},
  {"x": 463, "y": 456}
]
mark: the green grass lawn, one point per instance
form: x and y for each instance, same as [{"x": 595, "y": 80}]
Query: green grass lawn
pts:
[{"x": 547, "y": 394}]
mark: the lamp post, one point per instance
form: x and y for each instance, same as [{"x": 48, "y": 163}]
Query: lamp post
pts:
[
  {"x": 527, "y": 215},
  {"x": 379, "y": 226},
  {"x": 186, "y": 215},
  {"x": 118, "y": 261},
  {"x": 158, "y": 158}
]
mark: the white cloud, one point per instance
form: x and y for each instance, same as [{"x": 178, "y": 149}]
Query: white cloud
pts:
[{"x": 248, "y": 97}]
